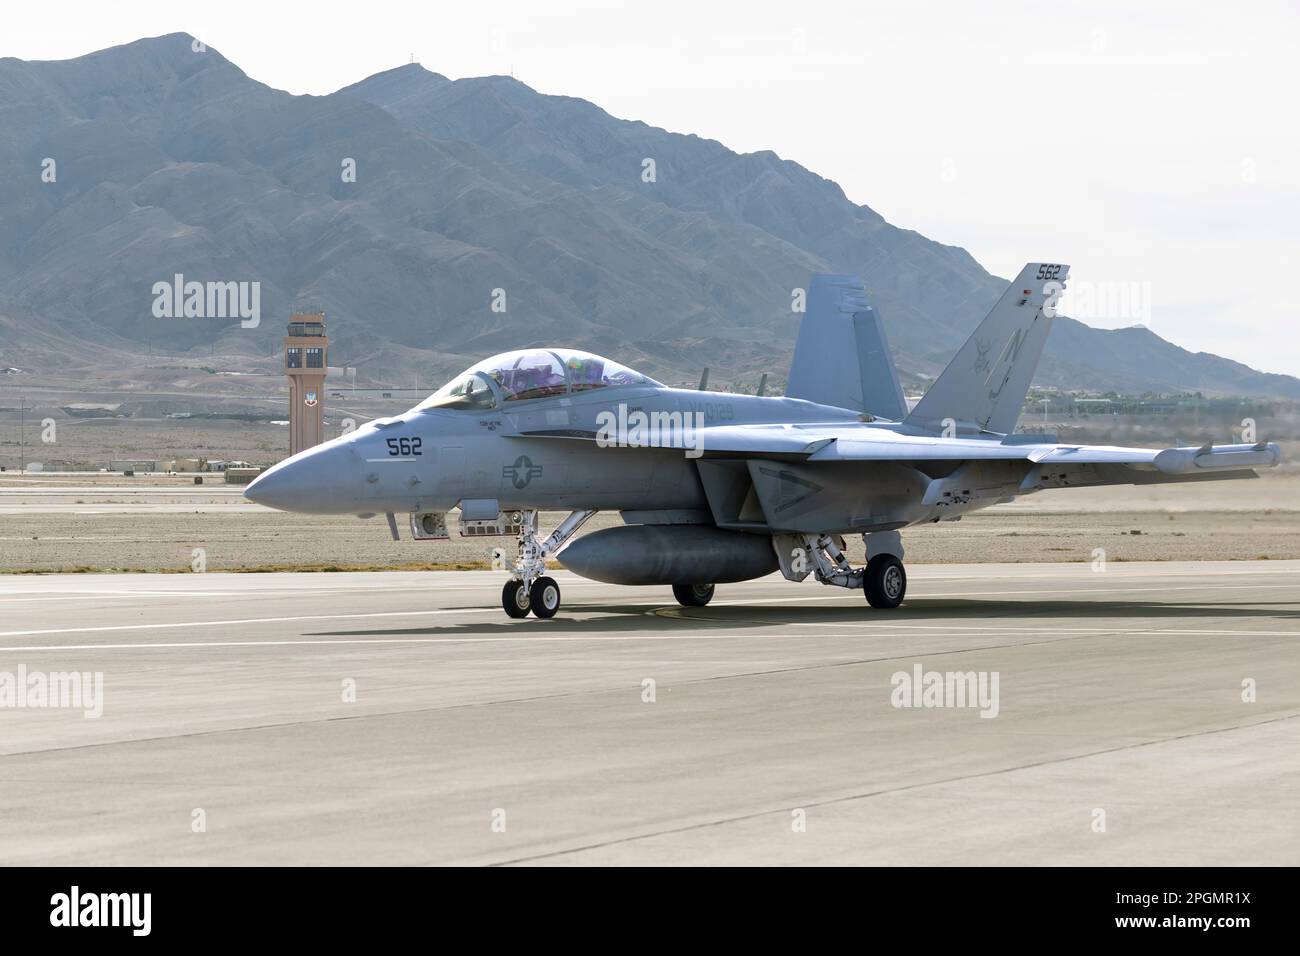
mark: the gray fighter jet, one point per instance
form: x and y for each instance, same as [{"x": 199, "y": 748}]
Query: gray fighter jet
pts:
[{"x": 715, "y": 487}]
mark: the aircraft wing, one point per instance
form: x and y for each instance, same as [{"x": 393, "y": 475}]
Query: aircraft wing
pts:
[
  {"x": 881, "y": 445},
  {"x": 846, "y": 442},
  {"x": 833, "y": 444}
]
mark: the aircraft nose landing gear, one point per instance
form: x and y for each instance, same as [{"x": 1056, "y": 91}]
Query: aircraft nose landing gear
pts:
[
  {"x": 529, "y": 589},
  {"x": 545, "y": 597},
  {"x": 515, "y": 599}
]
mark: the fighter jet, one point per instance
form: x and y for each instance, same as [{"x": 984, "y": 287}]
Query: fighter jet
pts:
[{"x": 716, "y": 487}]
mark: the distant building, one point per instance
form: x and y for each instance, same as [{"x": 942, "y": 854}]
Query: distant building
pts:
[
  {"x": 236, "y": 475},
  {"x": 1097, "y": 406},
  {"x": 133, "y": 464},
  {"x": 58, "y": 464}
]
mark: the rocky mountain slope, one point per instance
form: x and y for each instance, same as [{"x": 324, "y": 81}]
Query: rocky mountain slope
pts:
[{"x": 170, "y": 160}]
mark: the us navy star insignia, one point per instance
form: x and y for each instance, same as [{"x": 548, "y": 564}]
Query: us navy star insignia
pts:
[{"x": 521, "y": 472}]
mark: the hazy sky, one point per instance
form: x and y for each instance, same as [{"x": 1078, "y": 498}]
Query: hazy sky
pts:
[{"x": 1154, "y": 147}]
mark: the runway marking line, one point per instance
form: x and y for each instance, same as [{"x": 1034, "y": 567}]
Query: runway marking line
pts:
[
  {"x": 37, "y": 595},
  {"x": 989, "y": 594},
  {"x": 676, "y": 613},
  {"x": 248, "y": 620},
  {"x": 877, "y": 630},
  {"x": 923, "y": 573}
]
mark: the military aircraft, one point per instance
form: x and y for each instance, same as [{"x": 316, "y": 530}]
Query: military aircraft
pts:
[{"x": 716, "y": 487}]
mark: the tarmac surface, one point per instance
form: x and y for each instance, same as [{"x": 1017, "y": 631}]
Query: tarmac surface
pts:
[{"x": 401, "y": 718}]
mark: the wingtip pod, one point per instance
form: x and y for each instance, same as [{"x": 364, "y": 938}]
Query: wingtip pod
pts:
[{"x": 1208, "y": 457}]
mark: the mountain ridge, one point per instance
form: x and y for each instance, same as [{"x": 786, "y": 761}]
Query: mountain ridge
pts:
[{"x": 173, "y": 161}]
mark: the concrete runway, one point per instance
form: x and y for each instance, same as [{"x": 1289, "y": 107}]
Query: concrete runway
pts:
[{"x": 1119, "y": 692}]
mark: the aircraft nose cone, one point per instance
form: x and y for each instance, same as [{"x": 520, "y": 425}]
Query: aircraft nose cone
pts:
[
  {"x": 315, "y": 481},
  {"x": 272, "y": 487}
]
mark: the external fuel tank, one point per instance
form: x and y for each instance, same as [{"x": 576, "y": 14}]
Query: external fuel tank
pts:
[{"x": 669, "y": 554}]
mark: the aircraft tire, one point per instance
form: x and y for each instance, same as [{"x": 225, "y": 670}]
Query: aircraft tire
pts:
[
  {"x": 885, "y": 581},
  {"x": 693, "y": 595},
  {"x": 512, "y": 599},
  {"x": 545, "y": 597}
]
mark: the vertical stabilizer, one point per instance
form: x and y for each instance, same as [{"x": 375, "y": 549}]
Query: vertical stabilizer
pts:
[
  {"x": 842, "y": 357},
  {"x": 985, "y": 384}
]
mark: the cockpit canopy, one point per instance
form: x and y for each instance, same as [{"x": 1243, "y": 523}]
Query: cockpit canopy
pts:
[{"x": 532, "y": 373}]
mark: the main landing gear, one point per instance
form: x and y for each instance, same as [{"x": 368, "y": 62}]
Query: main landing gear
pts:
[
  {"x": 529, "y": 589},
  {"x": 883, "y": 580}
]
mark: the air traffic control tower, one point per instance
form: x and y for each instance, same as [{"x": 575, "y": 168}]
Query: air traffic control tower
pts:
[{"x": 305, "y": 349}]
